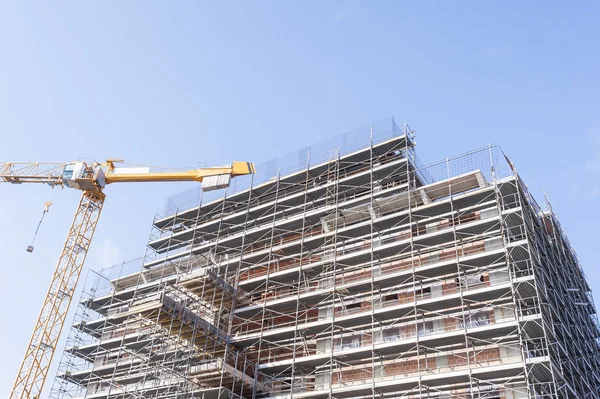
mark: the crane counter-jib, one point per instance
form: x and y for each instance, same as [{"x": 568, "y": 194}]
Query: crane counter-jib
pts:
[{"x": 31, "y": 172}]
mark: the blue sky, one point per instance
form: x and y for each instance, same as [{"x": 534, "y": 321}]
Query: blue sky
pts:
[{"x": 177, "y": 84}]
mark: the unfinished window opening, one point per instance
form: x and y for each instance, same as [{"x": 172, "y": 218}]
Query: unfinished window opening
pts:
[
  {"x": 478, "y": 319},
  {"x": 424, "y": 292},
  {"x": 390, "y": 297},
  {"x": 347, "y": 342},
  {"x": 425, "y": 328},
  {"x": 353, "y": 307},
  {"x": 470, "y": 280},
  {"x": 391, "y": 334}
]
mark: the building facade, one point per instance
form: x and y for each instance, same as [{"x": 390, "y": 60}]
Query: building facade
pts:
[{"x": 354, "y": 272}]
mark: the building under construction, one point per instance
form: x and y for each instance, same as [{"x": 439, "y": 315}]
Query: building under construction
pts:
[{"x": 345, "y": 270}]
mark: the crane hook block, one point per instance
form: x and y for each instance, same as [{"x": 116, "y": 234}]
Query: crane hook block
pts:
[{"x": 47, "y": 205}]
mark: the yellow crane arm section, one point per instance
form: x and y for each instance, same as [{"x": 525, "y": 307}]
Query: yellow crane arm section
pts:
[{"x": 197, "y": 175}]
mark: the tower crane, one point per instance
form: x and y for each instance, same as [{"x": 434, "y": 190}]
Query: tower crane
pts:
[{"x": 91, "y": 179}]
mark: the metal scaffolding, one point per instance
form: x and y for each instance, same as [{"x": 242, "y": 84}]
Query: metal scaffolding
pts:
[{"x": 354, "y": 272}]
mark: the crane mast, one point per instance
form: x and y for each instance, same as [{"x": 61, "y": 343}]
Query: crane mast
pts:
[
  {"x": 91, "y": 180},
  {"x": 48, "y": 327}
]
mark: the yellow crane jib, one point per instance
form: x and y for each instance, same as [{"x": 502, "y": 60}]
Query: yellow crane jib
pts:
[
  {"x": 95, "y": 177},
  {"x": 91, "y": 179}
]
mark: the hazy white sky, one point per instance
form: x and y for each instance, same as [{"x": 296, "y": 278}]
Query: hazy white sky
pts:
[{"x": 176, "y": 84}]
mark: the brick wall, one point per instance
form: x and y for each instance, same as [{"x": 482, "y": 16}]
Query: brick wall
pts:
[
  {"x": 353, "y": 276},
  {"x": 482, "y": 357},
  {"x": 398, "y": 368},
  {"x": 364, "y": 373},
  {"x": 410, "y": 366}
]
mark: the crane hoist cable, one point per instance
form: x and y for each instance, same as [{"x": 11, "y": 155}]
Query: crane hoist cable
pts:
[{"x": 47, "y": 205}]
